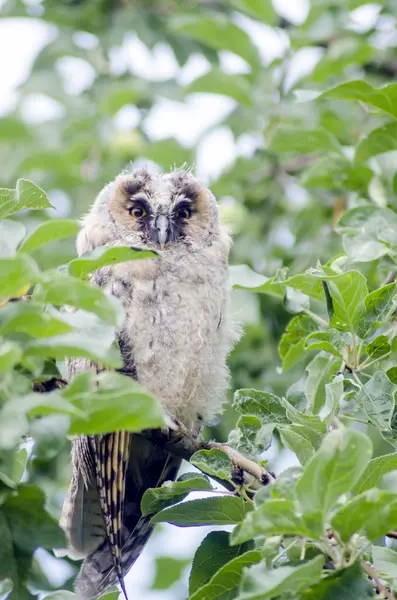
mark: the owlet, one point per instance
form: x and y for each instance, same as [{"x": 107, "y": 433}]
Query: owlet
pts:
[{"x": 174, "y": 341}]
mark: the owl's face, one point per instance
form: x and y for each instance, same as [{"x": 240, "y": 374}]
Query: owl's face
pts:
[{"x": 162, "y": 209}]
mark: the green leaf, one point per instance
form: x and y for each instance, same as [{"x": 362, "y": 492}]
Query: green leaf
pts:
[
  {"x": 293, "y": 341},
  {"x": 320, "y": 370},
  {"x": 295, "y": 438},
  {"x": 308, "y": 284},
  {"x": 348, "y": 291},
  {"x": 369, "y": 232},
  {"x": 333, "y": 396},
  {"x": 379, "y": 305},
  {"x": 219, "y": 82},
  {"x": 49, "y": 231},
  {"x": 10, "y": 355},
  {"x": 26, "y": 195},
  {"x": 343, "y": 584},
  {"x": 376, "y": 468},
  {"x": 378, "y": 347},
  {"x": 374, "y": 511},
  {"x": 64, "y": 595},
  {"x": 385, "y": 561},
  {"x": 293, "y": 139},
  {"x": 336, "y": 172},
  {"x": 335, "y": 468},
  {"x": 171, "y": 492},
  {"x": 384, "y": 98},
  {"x": 264, "y": 405},
  {"x": 259, "y": 582},
  {"x": 331, "y": 341},
  {"x": 376, "y": 398},
  {"x": 227, "y": 578},
  {"x": 383, "y": 139},
  {"x": 219, "y": 33},
  {"x": 11, "y": 234},
  {"x": 243, "y": 278},
  {"x": 250, "y": 437},
  {"x": 214, "y": 462},
  {"x": 313, "y": 423},
  {"x": 262, "y": 9},
  {"x": 31, "y": 526},
  {"x": 273, "y": 517},
  {"x": 61, "y": 289},
  {"x": 221, "y": 510},
  {"x": 111, "y": 402},
  {"x": 100, "y": 257},
  {"x": 168, "y": 571},
  {"x": 33, "y": 319},
  {"x": 213, "y": 553},
  {"x": 17, "y": 275}
]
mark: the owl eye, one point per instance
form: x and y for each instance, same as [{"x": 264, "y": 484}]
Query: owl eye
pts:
[
  {"x": 184, "y": 213},
  {"x": 138, "y": 212}
]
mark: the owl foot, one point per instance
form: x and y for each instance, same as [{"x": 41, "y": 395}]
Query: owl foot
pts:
[{"x": 174, "y": 428}]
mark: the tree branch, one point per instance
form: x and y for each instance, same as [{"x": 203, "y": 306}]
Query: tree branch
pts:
[
  {"x": 184, "y": 445},
  {"x": 379, "y": 587}
]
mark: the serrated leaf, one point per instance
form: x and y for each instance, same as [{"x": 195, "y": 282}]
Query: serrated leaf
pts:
[
  {"x": 347, "y": 291},
  {"x": 378, "y": 347},
  {"x": 212, "y": 554},
  {"x": 49, "y": 231},
  {"x": 312, "y": 422},
  {"x": 273, "y": 517},
  {"x": 227, "y": 578},
  {"x": 264, "y": 405},
  {"x": 26, "y": 195},
  {"x": 378, "y": 307},
  {"x": 374, "y": 511},
  {"x": 214, "y": 462},
  {"x": 384, "y": 98},
  {"x": 376, "y": 468},
  {"x": 221, "y": 510},
  {"x": 332, "y": 341},
  {"x": 243, "y": 278},
  {"x": 259, "y": 582},
  {"x": 376, "y": 398},
  {"x": 91, "y": 261},
  {"x": 335, "y": 468},
  {"x": 155, "y": 499},
  {"x": 250, "y": 437},
  {"x": 292, "y": 342}
]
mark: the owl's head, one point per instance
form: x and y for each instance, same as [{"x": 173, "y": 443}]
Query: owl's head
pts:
[{"x": 161, "y": 209}]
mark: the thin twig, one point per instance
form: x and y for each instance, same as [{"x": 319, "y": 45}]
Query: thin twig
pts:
[
  {"x": 316, "y": 317},
  {"x": 387, "y": 594},
  {"x": 187, "y": 445}
]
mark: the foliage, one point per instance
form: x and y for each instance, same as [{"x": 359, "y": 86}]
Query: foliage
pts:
[{"x": 313, "y": 209}]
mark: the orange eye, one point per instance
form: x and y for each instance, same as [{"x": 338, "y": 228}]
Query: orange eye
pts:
[
  {"x": 138, "y": 212},
  {"x": 184, "y": 213}
]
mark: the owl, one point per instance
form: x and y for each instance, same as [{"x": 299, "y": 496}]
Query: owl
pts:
[{"x": 174, "y": 341}]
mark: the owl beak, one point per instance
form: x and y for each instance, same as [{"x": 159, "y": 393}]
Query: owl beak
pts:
[{"x": 162, "y": 227}]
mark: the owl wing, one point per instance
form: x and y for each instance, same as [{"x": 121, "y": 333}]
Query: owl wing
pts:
[{"x": 101, "y": 515}]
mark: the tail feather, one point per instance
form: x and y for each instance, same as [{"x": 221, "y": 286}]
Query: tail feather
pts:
[{"x": 126, "y": 465}]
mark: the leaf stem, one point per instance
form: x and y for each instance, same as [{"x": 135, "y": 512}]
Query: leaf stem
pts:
[{"x": 316, "y": 317}]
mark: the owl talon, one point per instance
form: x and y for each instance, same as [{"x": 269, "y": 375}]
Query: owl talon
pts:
[{"x": 174, "y": 429}]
